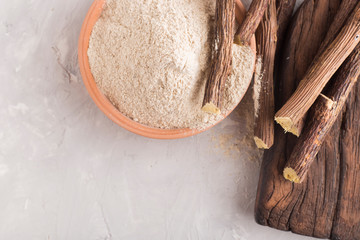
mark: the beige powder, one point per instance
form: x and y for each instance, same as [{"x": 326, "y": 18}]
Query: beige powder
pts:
[
  {"x": 151, "y": 60},
  {"x": 258, "y": 75}
]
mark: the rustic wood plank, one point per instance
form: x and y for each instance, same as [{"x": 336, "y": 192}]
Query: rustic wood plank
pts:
[
  {"x": 347, "y": 221},
  {"x": 308, "y": 208},
  {"x": 284, "y": 11}
]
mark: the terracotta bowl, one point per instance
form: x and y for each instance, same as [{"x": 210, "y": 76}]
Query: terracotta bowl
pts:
[{"x": 104, "y": 104}]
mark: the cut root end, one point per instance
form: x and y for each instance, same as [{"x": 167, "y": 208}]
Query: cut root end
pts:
[
  {"x": 211, "y": 108},
  {"x": 295, "y": 130},
  {"x": 291, "y": 175},
  {"x": 260, "y": 143},
  {"x": 238, "y": 41},
  {"x": 285, "y": 122}
]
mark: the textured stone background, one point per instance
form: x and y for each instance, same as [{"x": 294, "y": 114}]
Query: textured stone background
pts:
[{"x": 68, "y": 172}]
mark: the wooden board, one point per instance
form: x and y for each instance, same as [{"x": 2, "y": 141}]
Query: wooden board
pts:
[{"x": 327, "y": 203}]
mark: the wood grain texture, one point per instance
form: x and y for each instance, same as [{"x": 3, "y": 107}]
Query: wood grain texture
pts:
[
  {"x": 284, "y": 11},
  {"x": 309, "y": 25},
  {"x": 320, "y": 73},
  {"x": 322, "y": 206},
  {"x": 322, "y": 116},
  {"x": 347, "y": 221},
  {"x": 221, "y": 62},
  {"x": 343, "y": 13},
  {"x": 345, "y": 9},
  {"x": 266, "y": 45},
  {"x": 251, "y": 22}
]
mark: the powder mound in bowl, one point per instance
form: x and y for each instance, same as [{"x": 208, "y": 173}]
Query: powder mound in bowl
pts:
[{"x": 151, "y": 60}]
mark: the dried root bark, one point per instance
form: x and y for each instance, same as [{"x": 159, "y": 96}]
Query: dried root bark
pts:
[
  {"x": 220, "y": 67},
  {"x": 266, "y": 45},
  {"x": 251, "y": 22},
  {"x": 320, "y": 73},
  {"x": 306, "y": 32},
  {"x": 345, "y": 9},
  {"x": 322, "y": 117}
]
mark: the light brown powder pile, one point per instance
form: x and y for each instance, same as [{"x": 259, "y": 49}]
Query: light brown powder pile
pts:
[{"x": 151, "y": 60}]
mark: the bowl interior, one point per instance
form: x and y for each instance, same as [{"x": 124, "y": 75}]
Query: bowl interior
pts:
[{"x": 104, "y": 104}]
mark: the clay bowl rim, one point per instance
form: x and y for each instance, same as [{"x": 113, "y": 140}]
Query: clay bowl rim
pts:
[{"x": 105, "y": 105}]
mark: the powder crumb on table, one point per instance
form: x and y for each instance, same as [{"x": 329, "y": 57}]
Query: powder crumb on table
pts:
[
  {"x": 234, "y": 137},
  {"x": 228, "y": 143},
  {"x": 151, "y": 60}
]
